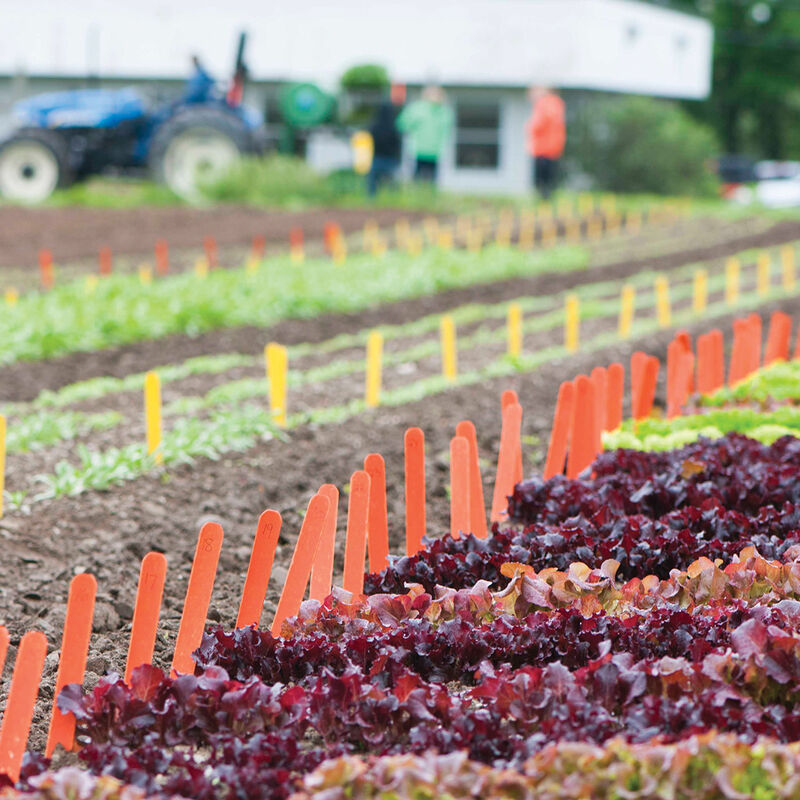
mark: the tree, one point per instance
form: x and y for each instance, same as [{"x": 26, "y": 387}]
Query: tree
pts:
[{"x": 755, "y": 99}]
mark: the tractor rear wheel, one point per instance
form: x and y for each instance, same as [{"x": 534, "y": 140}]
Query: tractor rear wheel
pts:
[
  {"x": 33, "y": 164},
  {"x": 196, "y": 145}
]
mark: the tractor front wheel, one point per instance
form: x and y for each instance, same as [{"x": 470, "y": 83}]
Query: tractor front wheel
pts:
[
  {"x": 33, "y": 164},
  {"x": 196, "y": 146}
]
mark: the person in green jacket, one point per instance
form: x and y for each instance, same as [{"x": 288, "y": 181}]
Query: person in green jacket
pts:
[{"x": 428, "y": 122}]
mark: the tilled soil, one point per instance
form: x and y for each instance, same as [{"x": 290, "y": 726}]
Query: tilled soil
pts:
[
  {"x": 23, "y": 381},
  {"x": 108, "y": 533},
  {"x": 22, "y": 468}
]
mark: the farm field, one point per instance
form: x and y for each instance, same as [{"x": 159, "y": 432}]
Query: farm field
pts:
[{"x": 556, "y": 658}]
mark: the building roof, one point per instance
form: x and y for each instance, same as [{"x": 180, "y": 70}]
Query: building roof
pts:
[{"x": 615, "y": 45}]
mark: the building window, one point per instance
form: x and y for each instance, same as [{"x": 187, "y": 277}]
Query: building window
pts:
[{"x": 478, "y": 135}]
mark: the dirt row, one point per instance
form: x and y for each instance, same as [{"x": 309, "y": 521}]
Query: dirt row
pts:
[
  {"x": 108, "y": 533},
  {"x": 23, "y": 381}
]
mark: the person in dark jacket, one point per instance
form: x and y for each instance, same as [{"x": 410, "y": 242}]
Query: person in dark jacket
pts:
[{"x": 387, "y": 144}]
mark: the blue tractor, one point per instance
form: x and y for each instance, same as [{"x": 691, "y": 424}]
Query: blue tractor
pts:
[{"x": 67, "y": 136}]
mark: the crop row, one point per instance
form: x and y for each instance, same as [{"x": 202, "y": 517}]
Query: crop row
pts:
[
  {"x": 504, "y": 670},
  {"x": 234, "y": 422},
  {"x": 122, "y": 308},
  {"x": 598, "y": 612}
]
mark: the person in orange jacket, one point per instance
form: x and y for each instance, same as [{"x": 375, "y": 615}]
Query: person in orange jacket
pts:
[{"x": 547, "y": 134}]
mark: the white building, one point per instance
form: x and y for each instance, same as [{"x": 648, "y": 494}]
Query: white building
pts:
[{"x": 485, "y": 52}]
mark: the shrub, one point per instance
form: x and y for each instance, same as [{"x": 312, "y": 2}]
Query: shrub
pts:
[
  {"x": 365, "y": 76},
  {"x": 637, "y": 144}
]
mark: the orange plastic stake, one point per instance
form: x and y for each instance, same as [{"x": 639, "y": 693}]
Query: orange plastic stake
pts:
[
  {"x": 680, "y": 366},
  {"x": 152, "y": 574},
  {"x": 414, "y": 446},
  {"x": 582, "y": 448},
  {"x": 559, "y": 435},
  {"x": 508, "y": 398},
  {"x": 638, "y": 360},
  {"x": 459, "y": 487},
  {"x": 46, "y": 272},
  {"x": 378, "y": 525},
  {"x": 296, "y": 238},
  {"x": 780, "y": 332},
  {"x": 615, "y": 389},
  {"x": 162, "y": 257},
  {"x": 302, "y": 559},
  {"x": 198, "y": 596},
  {"x": 259, "y": 247},
  {"x": 322, "y": 568},
  {"x": 599, "y": 378},
  {"x": 18, "y": 713},
  {"x": 705, "y": 357},
  {"x": 737, "y": 368},
  {"x": 4, "y": 640},
  {"x": 330, "y": 233},
  {"x": 74, "y": 651},
  {"x": 477, "y": 506},
  {"x": 507, "y": 460},
  {"x": 105, "y": 261},
  {"x": 356, "y": 544},
  {"x": 643, "y": 402},
  {"x": 685, "y": 340},
  {"x": 261, "y": 557},
  {"x": 210, "y": 249}
]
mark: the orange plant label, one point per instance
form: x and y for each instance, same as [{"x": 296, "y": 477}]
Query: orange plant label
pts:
[
  {"x": 477, "y": 507},
  {"x": 507, "y": 460},
  {"x": 780, "y": 333},
  {"x": 260, "y": 568},
  {"x": 414, "y": 453},
  {"x": 162, "y": 257},
  {"x": 599, "y": 378},
  {"x": 459, "y": 487},
  {"x": 584, "y": 424},
  {"x": 74, "y": 651},
  {"x": 198, "y": 597},
  {"x": 562, "y": 423},
  {"x": 356, "y": 543},
  {"x": 46, "y": 272},
  {"x": 105, "y": 259},
  {"x": 643, "y": 402},
  {"x": 300, "y": 567},
  {"x": 210, "y": 249},
  {"x": 152, "y": 574},
  {"x": 508, "y": 398},
  {"x": 378, "y": 526},
  {"x": 18, "y": 713},
  {"x": 322, "y": 568}
]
